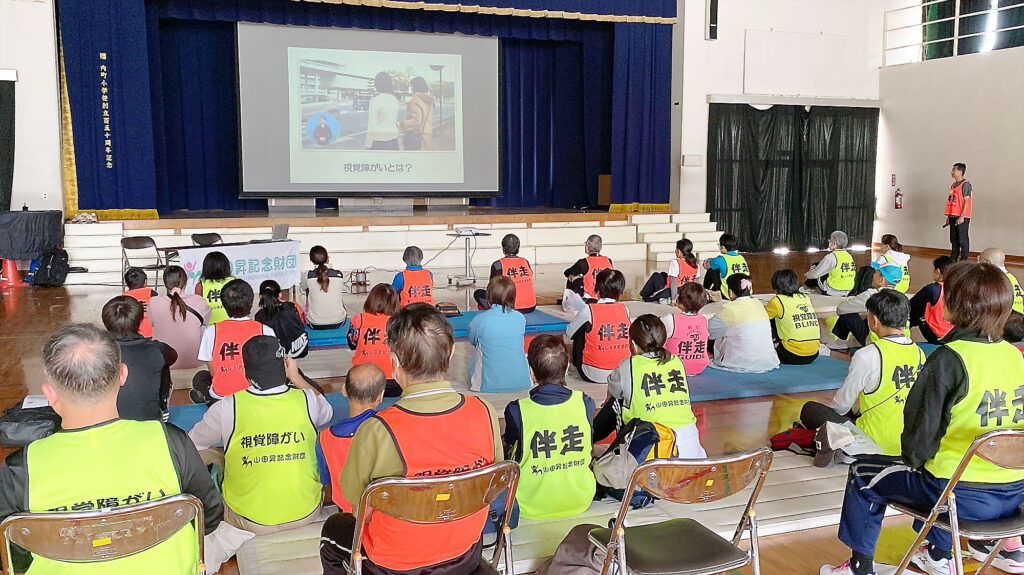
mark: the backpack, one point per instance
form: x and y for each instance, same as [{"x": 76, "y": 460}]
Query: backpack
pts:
[
  {"x": 288, "y": 328},
  {"x": 636, "y": 442},
  {"x": 52, "y": 269}
]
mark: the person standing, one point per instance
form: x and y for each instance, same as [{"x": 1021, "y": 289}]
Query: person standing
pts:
[
  {"x": 322, "y": 134},
  {"x": 382, "y": 124},
  {"x": 958, "y": 213},
  {"x": 419, "y": 125}
]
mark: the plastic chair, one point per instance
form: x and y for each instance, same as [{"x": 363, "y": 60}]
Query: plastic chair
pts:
[
  {"x": 206, "y": 240},
  {"x": 138, "y": 243},
  {"x": 684, "y": 546},
  {"x": 105, "y": 535},
  {"x": 441, "y": 499},
  {"x": 1003, "y": 448}
]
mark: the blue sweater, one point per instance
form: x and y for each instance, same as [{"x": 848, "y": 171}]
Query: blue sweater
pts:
[{"x": 499, "y": 362}]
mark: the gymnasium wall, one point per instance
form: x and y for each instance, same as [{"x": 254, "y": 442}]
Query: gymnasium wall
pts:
[{"x": 966, "y": 109}]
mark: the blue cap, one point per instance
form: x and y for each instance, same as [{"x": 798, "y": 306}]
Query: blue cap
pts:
[{"x": 892, "y": 272}]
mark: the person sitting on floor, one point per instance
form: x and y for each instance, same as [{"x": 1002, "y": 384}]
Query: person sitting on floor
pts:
[
  {"x": 221, "y": 346},
  {"x": 951, "y": 403},
  {"x": 269, "y": 434},
  {"x": 430, "y": 431},
  {"x": 720, "y": 267},
  {"x": 364, "y": 389},
  {"x": 135, "y": 279},
  {"x": 414, "y": 284},
  {"x": 325, "y": 304},
  {"x": 880, "y": 377},
  {"x": 178, "y": 318},
  {"x": 794, "y": 320},
  {"x": 600, "y": 331},
  {"x": 997, "y": 257},
  {"x": 367, "y": 334},
  {"x": 683, "y": 269},
  {"x": 498, "y": 338},
  {"x": 145, "y": 392},
  {"x": 926, "y": 306},
  {"x": 1013, "y": 332},
  {"x": 741, "y": 333},
  {"x": 99, "y": 460},
  {"x": 834, "y": 275},
  {"x": 518, "y": 270},
  {"x": 650, "y": 385},
  {"x": 687, "y": 330},
  {"x": 892, "y": 251},
  {"x": 216, "y": 274},
  {"x": 851, "y": 320},
  {"x": 285, "y": 318},
  {"x": 581, "y": 277},
  {"x": 551, "y": 410}
]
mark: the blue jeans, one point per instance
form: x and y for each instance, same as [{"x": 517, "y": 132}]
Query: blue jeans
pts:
[{"x": 864, "y": 507}]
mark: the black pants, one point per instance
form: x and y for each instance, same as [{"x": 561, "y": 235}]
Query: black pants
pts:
[
  {"x": 579, "y": 341},
  {"x": 926, "y": 331},
  {"x": 576, "y": 285},
  {"x": 325, "y": 326},
  {"x": 813, "y": 415},
  {"x": 713, "y": 280},
  {"x": 480, "y": 296},
  {"x": 655, "y": 289},
  {"x": 384, "y": 144},
  {"x": 959, "y": 239},
  {"x": 787, "y": 357},
  {"x": 815, "y": 285},
  {"x": 851, "y": 324}
]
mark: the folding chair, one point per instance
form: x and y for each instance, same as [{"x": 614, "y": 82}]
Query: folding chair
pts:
[
  {"x": 1003, "y": 448},
  {"x": 206, "y": 240},
  {"x": 684, "y": 546},
  {"x": 139, "y": 243},
  {"x": 441, "y": 499},
  {"x": 105, "y": 535}
]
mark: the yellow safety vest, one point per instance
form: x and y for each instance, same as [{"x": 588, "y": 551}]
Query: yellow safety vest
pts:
[
  {"x": 881, "y": 411},
  {"x": 1018, "y": 293},
  {"x": 904, "y": 284},
  {"x": 842, "y": 276},
  {"x": 108, "y": 466},
  {"x": 660, "y": 394},
  {"x": 733, "y": 265},
  {"x": 270, "y": 471},
  {"x": 995, "y": 400},
  {"x": 556, "y": 479},
  {"x": 211, "y": 293},
  {"x": 799, "y": 322}
]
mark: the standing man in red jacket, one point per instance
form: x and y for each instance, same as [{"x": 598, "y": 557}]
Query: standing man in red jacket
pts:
[{"x": 958, "y": 213}]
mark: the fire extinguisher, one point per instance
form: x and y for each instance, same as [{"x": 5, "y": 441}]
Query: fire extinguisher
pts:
[{"x": 899, "y": 199}]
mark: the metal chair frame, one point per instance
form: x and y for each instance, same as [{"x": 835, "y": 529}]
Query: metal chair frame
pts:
[
  {"x": 439, "y": 499},
  {"x": 1003, "y": 448},
  {"x": 207, "y": 239},
  {"x": 141, "y": 243},
  {"x": 49, "y": 534},
  {"x": 695, "y": 487}
]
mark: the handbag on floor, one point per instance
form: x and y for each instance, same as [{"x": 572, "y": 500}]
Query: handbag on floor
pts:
[
  {"x": 20, "y": 426},
  {"x": 638, "y": 441}
]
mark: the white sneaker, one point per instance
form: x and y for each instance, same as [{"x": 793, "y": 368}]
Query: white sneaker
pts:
[
  {"x": 1009, "y": 561},
  {"x": 923, "y": 561},
  {"x": 843, "y": 569}
]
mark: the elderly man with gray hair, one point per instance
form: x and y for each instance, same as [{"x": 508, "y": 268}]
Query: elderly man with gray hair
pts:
[
  {"x": 835, "y": 274},
  {"x": 581, "y": 278}
]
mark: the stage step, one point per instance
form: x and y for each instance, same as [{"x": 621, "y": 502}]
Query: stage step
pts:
[
  {"x": 691, "y": 218},
  {"x": 702, "y": 237},
  {"x": 656, "y": 228},
  {"x": 650, "y": 218},
  {"x": 697, "y": 227}
]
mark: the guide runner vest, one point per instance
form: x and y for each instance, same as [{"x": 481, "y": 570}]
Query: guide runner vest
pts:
[
  {"x": 518, "y": 270},
  {"x": 607, "y": 342},
  {"x": 687, "y": 273},
  {"x": 843, "y": 275},
  {"x": 1018, "y": 293},
  {"x": 228, "y": 370},
  {"x": 372, "y": 343},
  {"x": 955, "y": 203},
  {"x": 881, "y": 411},
  {"x": 595, "y": 265},
  {"x": 659, "y": 394},
  {"x": 799, "y": 322},
  {"x": 904, "y": 284},
  {"x": 211, "y": 293},
  {"x": 417, "y": 287},
  {"x": 933, "y": 314},
  {"x": 335, "y": 451},
  {"x": 143, "y": 295},
  {"x": 733, "y": 265},
  {"x": 689, "y": 341}
]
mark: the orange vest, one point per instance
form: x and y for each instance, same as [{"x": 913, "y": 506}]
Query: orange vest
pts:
[
  {"x": 228, "y": 338},
  {"x": 596, "y": 264},
  {"x": 432, "y": 444},
  {"x": 687, "y": 273},
  {"x": 372, "y": 343},
  {"x": 607, "y": 341},
  {"x": 955, "y": 205},
  {"x": 143, "y": 295},
  {"x": 933, "y": 315},
  {"x": 417, "y": 286},
  {"x": 335, "y": 450},
  {"x": 518, "y": 270}
]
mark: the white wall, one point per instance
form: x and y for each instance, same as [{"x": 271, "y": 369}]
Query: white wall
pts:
[
  {"x": 27, "y": 45},
  {"x": 966, "y": 109}
]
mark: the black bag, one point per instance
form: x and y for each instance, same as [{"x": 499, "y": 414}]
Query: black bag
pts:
[
  {"x": 19, "y": 426},
  {"x": 413, "y": 141},
  {"x": 52, "y": 269}
]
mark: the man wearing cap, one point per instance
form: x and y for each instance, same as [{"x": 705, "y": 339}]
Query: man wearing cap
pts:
[
  {"x": 269, "y": 436},
  {"x": 852, "y": 309}
]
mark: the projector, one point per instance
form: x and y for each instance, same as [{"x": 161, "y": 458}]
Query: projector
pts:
[{"x": 466, "y": 231}]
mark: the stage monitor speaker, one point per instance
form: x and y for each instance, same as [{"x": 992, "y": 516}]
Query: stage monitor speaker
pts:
[{"x": 711, "y": 20}]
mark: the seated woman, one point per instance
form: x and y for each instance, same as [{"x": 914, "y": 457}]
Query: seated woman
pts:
[
  {"x": 793, "y": 320},
  {"x": 498, "y": 335},
  {"x": 688, "y": 331},
  {"x": 143, "y": 395},
  {"x": 286, "y": 319},
  {"x": 600, "y": 330},
  {"x": 325, "y": 304},
  {"x": 741, "y": 332},
  {"x": 178, "y": 318},
  {"x": 368, "y": 334},
  {"x": 684, "y": 268},
  {"x": 216, "y": 274}
]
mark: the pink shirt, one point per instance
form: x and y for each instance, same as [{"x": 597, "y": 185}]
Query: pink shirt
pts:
[
  {"x": 688, "y": 339},
  {"x": 183, "y": 336}
]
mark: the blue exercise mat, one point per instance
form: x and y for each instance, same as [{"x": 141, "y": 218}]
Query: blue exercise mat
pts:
[
  {"x": 328, "y": 337},
  {"x": 823, "y": 374}
]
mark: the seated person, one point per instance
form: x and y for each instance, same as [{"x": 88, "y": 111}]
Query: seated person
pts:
[
  {"x": 414, "y": 284},
  {"x": 600, "y": 331},
  {"x": 793, "y": 320},
  {"x": 581, "y": 277},
  {"x": 325, "y": 303},
  {"x": 285, "y": 318},
  {"x": 651, "y": 385},
  {"x": 834, "y": 275},
  {"x": 364, "y": 389},
  {"x": 221, "y": 346},
  {"x": 178, "y": 318},
  {"x": 216, "y": 274},
  {"x": 552, "y": 410},
  {"x": 367, "y": 334},
  {"x": 1013, "y": 331},
  {"x": 880, "y": 377},
  {"x": 518, "y": 270},
  {"x": 73, "y": 470},
  {"x": 269, "y": 434},
  {"x": 926, "y": 306},
  {"x": 741, "y": 333},
  {"x": 892, "y": 251},
  {"x": 720, "y": 267},
  {"x": 147, "y": 388},
  {"x": 997, "y": 257},
  {"x": 431, "y": 430},
  {"x": 498, "y": 336},
  {"x": 949, "y": 406},
  {"x": 687, "y": 330},
  {"x": 850, "y": 311},
  {"x": 135, "y": 279},
  {"x": 683, "y": 269}
]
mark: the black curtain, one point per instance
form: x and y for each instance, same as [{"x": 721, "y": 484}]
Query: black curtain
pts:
[
  {"x": 6, "y": 144},
  {"x": 790, "y": 176}
]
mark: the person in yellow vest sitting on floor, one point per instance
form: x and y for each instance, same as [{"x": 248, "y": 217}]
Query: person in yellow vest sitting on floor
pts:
[
  {"x": 600, "y": 331},
  {"x": 135, "y": 280},
  {"x": 99, "y": 461},
  {"x": 516, "y": 269},
  {"x": 835, "y": 274},
  {"x": 720, "y": 267},
  {"x": 551, "y": 431},
  {"x": 794, "y": 321},
  {"x": 431, "y": 431},
  {"x": 216, "y": 274},
  {"x": 221, "y": 346},
  {"x": 892, "y": 252},
  {"x": 414, "y": 284},
  {"x": 269, "y": 434},
  {"x": 996, "y": 257},
  {"x": 581, "y": 277},
  {"x": 926, "y": 307}
]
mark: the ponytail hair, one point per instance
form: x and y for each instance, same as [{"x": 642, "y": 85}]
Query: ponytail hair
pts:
[
  {"x": 175, "y": 280},
  {"x": 739, "y": 284},
  {"x": 270, "y": 301},
  {"x": 648, "y": 335},
  {"x": 893, "y": 243},
  {"x": 685, "y": 247},
  {"x": 318, "y": 255}
]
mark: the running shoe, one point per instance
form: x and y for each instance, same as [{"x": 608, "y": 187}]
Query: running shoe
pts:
[
  {"x": 1009, "y": 561},
  {"x": 923, "y": 561},
  {"x": 843, "y": 569}
]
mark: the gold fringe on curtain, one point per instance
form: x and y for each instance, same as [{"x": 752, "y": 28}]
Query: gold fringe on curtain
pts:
[
  {"x": 477, "y": 9},
  {"x": 638, "y": 207}
]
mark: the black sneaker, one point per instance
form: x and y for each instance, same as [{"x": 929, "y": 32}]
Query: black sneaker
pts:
[
  {"x": 197, "y": 397},
  {"x": 1009, "y": 561}
]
